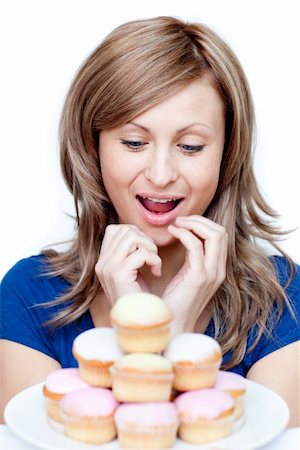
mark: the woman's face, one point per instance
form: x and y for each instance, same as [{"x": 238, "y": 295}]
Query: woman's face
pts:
[{"x": 165, "y": 162}]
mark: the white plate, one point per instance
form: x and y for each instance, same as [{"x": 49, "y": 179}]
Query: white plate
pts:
[{"x": 266, "y": 416}]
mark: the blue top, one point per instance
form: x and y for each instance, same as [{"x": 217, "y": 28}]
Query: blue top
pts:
[{"x": 25, "y": 286}]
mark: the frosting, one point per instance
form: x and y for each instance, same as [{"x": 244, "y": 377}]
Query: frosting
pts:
[
  {"x": 89, "y": 402},
  {"x": 227, "y": 381},
  {"x": 149, "y": 414},
  {"x": 140, "y": 308},
  {"x": 144, "y": 362},
  {"x": 97, "y": 344},
  {"x": 193, "y": 347},
  {"x": 61, "y": 381},
  {"x": 204, "y": 403}
]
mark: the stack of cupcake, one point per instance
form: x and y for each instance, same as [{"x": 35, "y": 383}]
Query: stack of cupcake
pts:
[
  {"x": 142, "y": 386},
  {"x": 142, "y": 379},
  {"x": 80, "y": 401}
]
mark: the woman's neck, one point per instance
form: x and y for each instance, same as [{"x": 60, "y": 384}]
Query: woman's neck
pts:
[{"x": 172, "y": 257}]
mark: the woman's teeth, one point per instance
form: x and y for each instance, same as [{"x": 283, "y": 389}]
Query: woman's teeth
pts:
[
  {"x": 159, "y": 205},
  {"x": 159, "y": 200}
]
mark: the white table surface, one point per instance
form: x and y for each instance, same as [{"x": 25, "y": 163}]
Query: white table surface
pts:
[{"x": 288, "y": 440}]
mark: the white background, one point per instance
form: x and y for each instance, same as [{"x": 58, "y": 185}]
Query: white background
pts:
[{"x": 43, "y": 43}]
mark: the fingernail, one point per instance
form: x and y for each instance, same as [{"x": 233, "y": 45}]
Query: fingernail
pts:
[{"x": 157, "y": 271}]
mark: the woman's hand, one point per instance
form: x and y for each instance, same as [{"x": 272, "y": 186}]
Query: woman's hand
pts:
[
  {"x": 125, "y": 249},
  {"x": 202, "y": 273}
]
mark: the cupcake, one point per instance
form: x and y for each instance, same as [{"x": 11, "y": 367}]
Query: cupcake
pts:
[
  {"x": 142, "y": 322},
  {"x": 88, "y": 415},
  {"x": 205, "y": 415},
  {"x": 196, "y": 359},
  {"x": 235, "y": 385},
  {"x": 142, "y": 377},
  {"x": 147, "y": 425},
  {"x": 57, "y": 384},
  {"x": 95, "y": 351}
]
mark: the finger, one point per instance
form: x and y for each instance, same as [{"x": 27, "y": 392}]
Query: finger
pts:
[
  {"x": 116, "y": 232},
  {"x": 215, "y": 244},
  {"x": 193, "y": 245},
  {"x": 141, "y": 257},
  {"x": 133, "y": 240},
  {"x": 200, "y": 219},
  {"x": 203, "y": 227},
  {"x": 112, "y": 232},
  {"x": 125, "y": 242}
]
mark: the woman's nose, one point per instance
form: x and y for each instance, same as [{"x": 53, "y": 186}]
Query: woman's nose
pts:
[{"x": 161, "y": 168}]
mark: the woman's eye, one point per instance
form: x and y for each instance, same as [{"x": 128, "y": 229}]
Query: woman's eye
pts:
[
  {"x": 133, "y": 145},
  {"x": 191, "y": 149}
]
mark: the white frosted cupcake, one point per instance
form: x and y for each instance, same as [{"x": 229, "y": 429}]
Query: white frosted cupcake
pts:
[
  {"x": 57, "y": 384},
  {"x": 95, "y": 351},
  {"x": 142, "y": 377},
  {"x": 142, "y": 322},
  {"x": 205, "y": 415},
  {"x": 196, "y": 359},
  {"x": 88, "y": 415},
  {"x": 235, "y": 385},
  {"x": 147, "y": 425}
]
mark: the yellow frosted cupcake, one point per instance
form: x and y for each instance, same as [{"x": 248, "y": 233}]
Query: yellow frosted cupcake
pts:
[
  {"x": 95, "y": 351},
  {"x": 142, "y": 377},
  {"x": 142, "y": 322},
  {"x": 196, "y": 359}
]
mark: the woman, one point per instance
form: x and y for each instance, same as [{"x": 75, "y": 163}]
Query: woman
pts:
[{"x": 156, "y": 148}]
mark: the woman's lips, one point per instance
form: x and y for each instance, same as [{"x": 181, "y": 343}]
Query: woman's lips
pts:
[{"x": 159, "y": 213}]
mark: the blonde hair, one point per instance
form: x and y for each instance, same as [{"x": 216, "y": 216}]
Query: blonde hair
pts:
[{"x": 137, "y": 66}]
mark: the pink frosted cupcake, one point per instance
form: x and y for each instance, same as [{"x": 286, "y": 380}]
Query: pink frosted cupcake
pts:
[
  {"x": 196, "y": 359},
  {"x": 205, "y": 415},
  {"x": 147, "y": 425},
  {"x": 88, "y": 415},
  {"x": 58, "y": 383},
  {"x": 235, "y": 385}
]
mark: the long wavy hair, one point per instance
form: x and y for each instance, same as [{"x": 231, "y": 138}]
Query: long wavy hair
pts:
[{"x": 138, "y": 65}]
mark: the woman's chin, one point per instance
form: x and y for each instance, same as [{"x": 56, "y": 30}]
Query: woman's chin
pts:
[{"x": 162, "y": 238}]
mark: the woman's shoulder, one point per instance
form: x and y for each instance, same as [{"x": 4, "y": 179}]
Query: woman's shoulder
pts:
[
  {"x": 288, "y": 275},
  {"x": 25, "y": 289},
  {"x": 283, "y": 328},
  {"x": 285, "y": 268},
  {"x": 31, "y": 277},
  {"x": 28, "y": 267}
]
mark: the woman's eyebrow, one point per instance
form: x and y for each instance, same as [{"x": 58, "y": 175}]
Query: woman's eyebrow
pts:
[{"x": 179, "y": 131}]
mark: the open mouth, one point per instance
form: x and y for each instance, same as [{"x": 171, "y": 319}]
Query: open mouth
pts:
[{"x": 159, "y": 206}]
